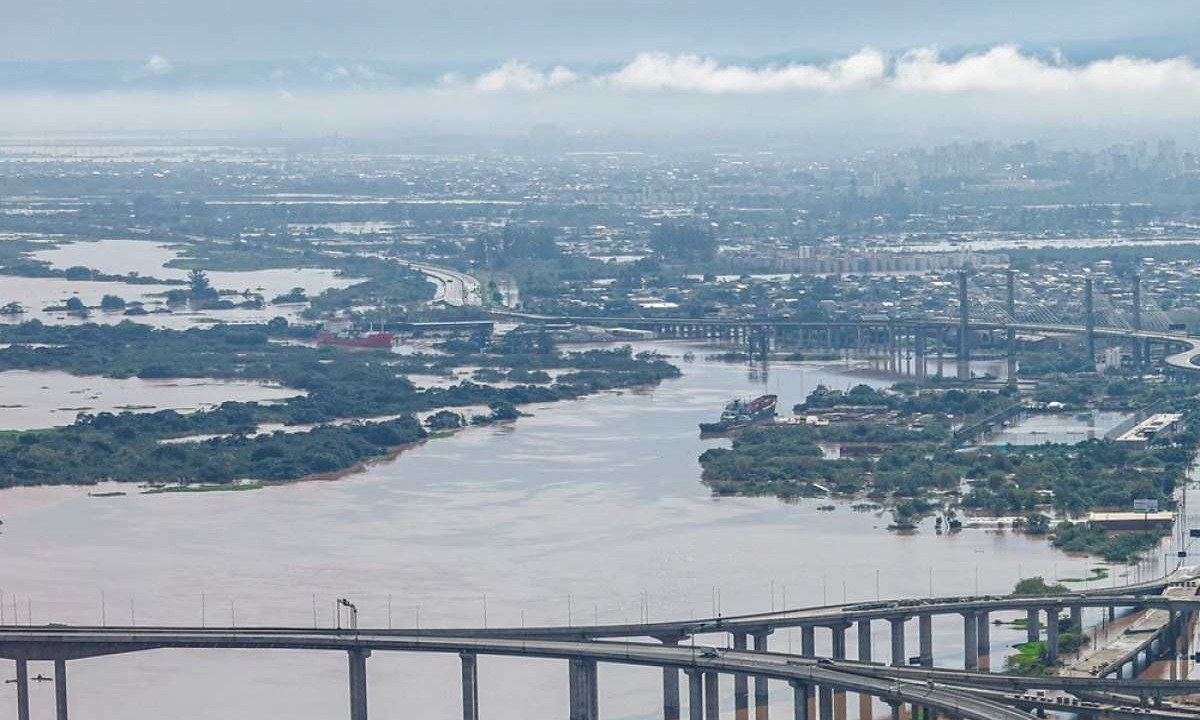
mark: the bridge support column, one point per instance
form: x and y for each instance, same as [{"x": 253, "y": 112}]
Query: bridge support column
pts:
[
  {"x": 864, "y": 640},
  {"x": 925, "y": 639},
  {"x": 1076, "y": 619},
  {"x": 825, "y": 702},
  {"x": 60, "y": 689},
  {"x": 1052, "y": 634},
  {"x": 762, "y": 696},
  {"x": 358, "y": 683},
  {"x": 712, "y": 697},
  {"x": 741, "y": 687},
  {"x": 921, "y": 369},
  {"x": 1032, "y": 633},
  {"x": 584, "y": 694},
  {"x": 800, "y": 697},
  {"x": 895, "y": 708},
  {"x": 470, "y": 686},
  {"x": 984, "y": 619},
  {"x": 808, "y": 641},
  {"x": 970, "y": 641},
  {"x": 695, "y": 694},
  {"x": 898, "y": 659},
  {"x": 670, "y": 688},
  {"x": 22, "y": 690},
  {"x": 838, "y": 642}
]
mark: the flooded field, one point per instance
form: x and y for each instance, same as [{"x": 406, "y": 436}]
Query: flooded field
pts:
[
  {"x": 40, "y": 399},
  {"x": 147, "y": 258}
]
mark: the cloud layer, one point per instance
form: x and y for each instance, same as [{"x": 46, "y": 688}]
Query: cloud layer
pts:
[
  {"x": 1003, "y": 68},
  {"x": 860, "y": 98}
]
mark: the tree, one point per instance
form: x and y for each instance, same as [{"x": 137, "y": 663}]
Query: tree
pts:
[
  {"x": 503, "y": 410},
  {"x": 112, "y": 302},
  {"x": 74, "y": 304},
  {"x": 444, "y": 420},
  {"x": 12, "y": 308},
  {"x": 689, "y": 243},
  {"x": 201, "y": 290}
]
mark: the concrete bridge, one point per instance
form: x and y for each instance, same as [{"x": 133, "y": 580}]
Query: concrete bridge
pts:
[
  {"x": 905, "y": 343},
  {"x": 816, "y": 684}
]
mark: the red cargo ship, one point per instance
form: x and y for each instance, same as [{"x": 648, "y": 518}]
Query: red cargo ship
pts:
[{"x": 373, "y": 340}]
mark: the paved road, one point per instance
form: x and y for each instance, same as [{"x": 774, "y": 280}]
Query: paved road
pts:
[
  {"x": 53, "y": 643},
  {"x": 454, "y": 288}
]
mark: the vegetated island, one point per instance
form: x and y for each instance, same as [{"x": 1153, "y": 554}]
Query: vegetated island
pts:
[
  {"x": 335, "y": 385},
  {"x": 897, "y": 449}
]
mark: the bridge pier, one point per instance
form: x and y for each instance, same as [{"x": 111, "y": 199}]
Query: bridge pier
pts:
[
  {"x": 584, "y": 693},
  {"x": 925, "y": 639},
  {"x": 984, "y": 619},
  {"x": 60, "y": 689},
  {"x": 808, "y": 641},
  {"x": 898, "y": 659},
  {"x": 670, "y": 687},
  {"x": 1052, "y": 634},
  {"x": 741, "y": 686},
  {"x": 22, "y": 690},
  {"x": 358, "y": 683},
  {"x": 470, "y": 686},
  {"x": 712, "y": 697},
  {"x": 1076, "y": 619},
  {"x": 762, "y": 693},
  {"x": 970, "y": 640},
  {"x": 864, "y": 640},
  {"x": 1032, "y": 633},
  {"x": 801, "y": 694},
  {"x": 695, "y": 694},
  {"x": 825, "y": 703}
]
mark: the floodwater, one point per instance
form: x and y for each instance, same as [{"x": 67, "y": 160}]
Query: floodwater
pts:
[
  {"x": 147, "y": 259},
  {"x": 48, "y": 398},
  {"x": 572, "y": 515}
]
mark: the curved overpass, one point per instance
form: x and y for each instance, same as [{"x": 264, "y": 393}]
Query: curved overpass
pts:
[{"x": 53, "y": 644}]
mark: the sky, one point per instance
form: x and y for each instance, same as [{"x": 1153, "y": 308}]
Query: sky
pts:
[{"x": 853, "y": 71}]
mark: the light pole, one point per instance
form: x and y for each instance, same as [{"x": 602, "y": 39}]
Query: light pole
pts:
[{"x": 351, "y": 611}]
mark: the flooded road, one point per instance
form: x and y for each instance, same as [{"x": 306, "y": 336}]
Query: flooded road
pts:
[{"x": 575, "y": 514}]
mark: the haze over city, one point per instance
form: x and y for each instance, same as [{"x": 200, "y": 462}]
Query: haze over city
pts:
[
  {"x": 624, "y": 359},
  {"x": 813, "y": 74}
]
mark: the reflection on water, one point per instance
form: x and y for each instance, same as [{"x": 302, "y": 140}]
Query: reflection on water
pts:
[{"x": 573, "y": 514}]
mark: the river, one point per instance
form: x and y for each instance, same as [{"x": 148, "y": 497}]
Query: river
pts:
[{"x": 588, "y": 505}]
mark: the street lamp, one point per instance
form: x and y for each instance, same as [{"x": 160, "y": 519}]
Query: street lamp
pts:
[{"x": 352, "y": 613}]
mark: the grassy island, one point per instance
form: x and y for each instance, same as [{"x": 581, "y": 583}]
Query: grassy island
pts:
[{"x": 335, "y": 385}]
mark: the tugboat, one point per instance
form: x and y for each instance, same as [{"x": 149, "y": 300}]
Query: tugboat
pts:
[{"x": 740, "y": 413}]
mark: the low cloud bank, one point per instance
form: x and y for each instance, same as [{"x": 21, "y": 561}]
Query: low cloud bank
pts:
[
  {"x": 862, "y": 98},
  {"x": 1002, "y": 68}
]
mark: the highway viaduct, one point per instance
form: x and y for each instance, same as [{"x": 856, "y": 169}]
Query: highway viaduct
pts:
[{"x": 815, "y": 683}]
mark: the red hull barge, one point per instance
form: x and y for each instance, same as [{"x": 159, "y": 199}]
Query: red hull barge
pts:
[{"x": 374, "y": 340}]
